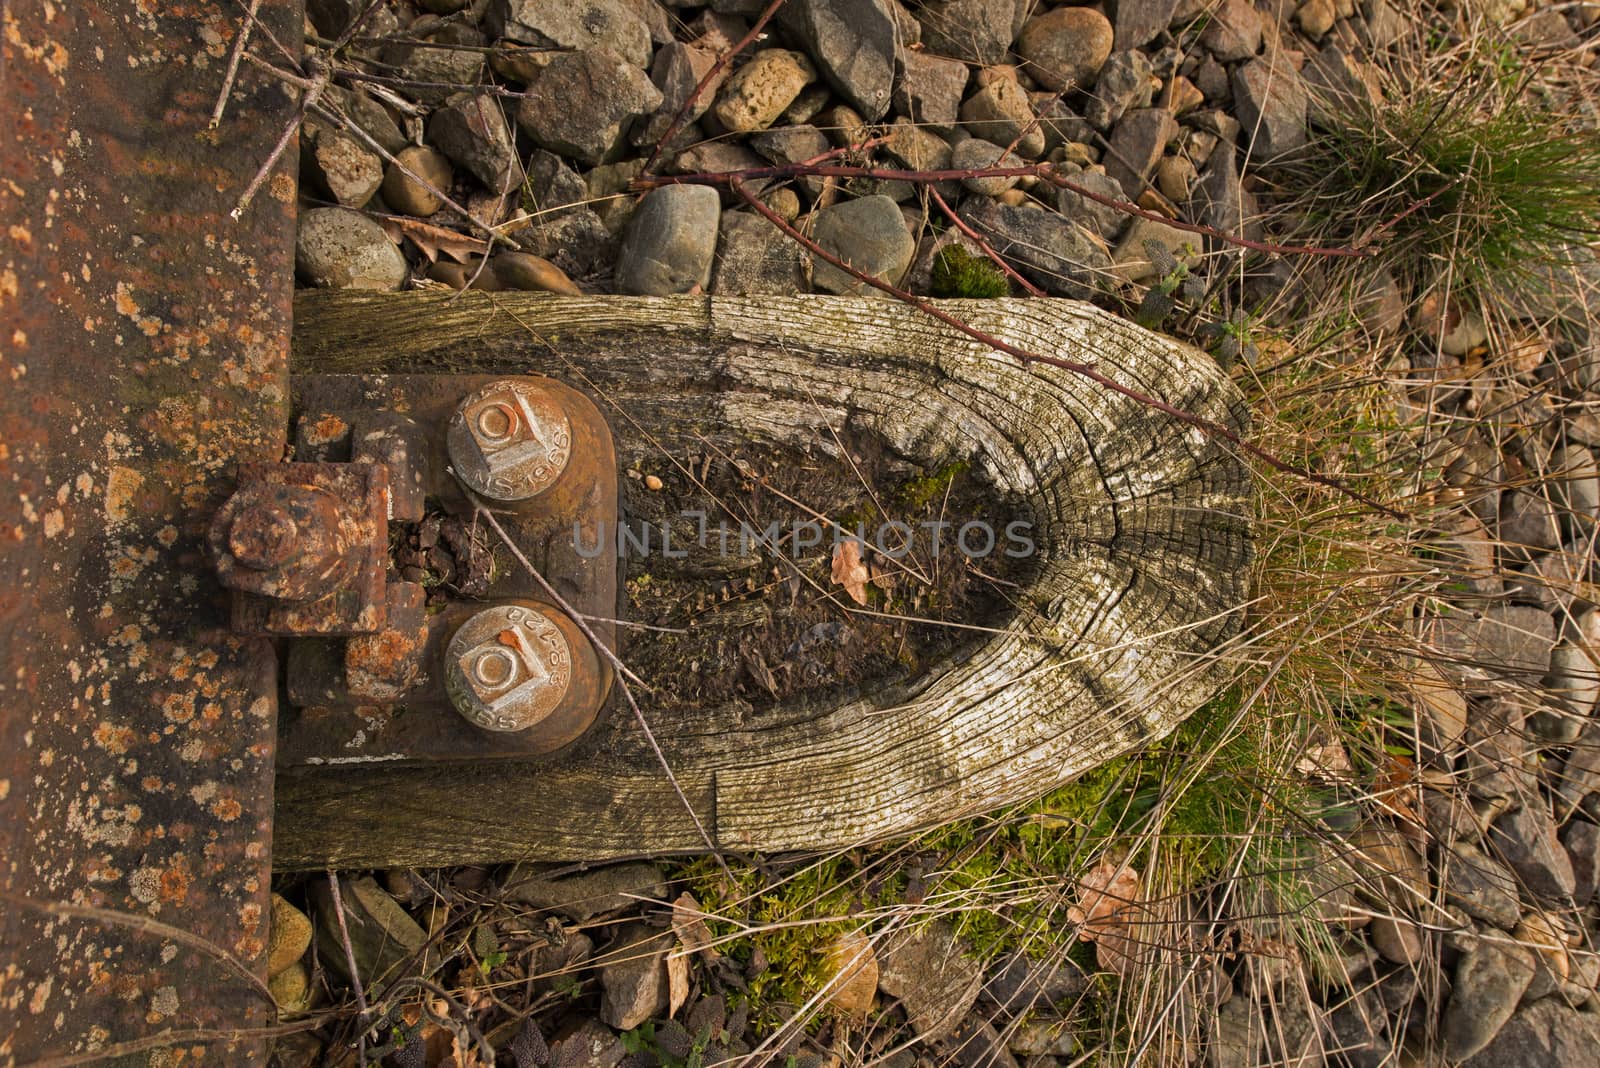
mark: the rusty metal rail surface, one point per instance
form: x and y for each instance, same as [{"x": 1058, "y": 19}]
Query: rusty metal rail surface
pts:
[{"x": 143, "y": 354}]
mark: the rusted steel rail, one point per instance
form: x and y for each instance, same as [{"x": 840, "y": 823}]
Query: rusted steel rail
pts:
[{"x": 143, "y": 355}]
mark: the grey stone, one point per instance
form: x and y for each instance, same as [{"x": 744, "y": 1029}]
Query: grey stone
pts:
[
  {"x": 1233, "y": 32},
  {"x": 1212, "y": 80},
  {"x": 853, "y": 44},
  {"x": 1124, "y": 83},
  {"x": 977, "y": 154},
  {"x": 1449, "y": 817},
  {"x": 762, "y": 89},
  {"x": 1058, "y": 121},
  {"x": 655, "y": 18},
  {"x": 1019, "y": 984},
  {"x": 574, "y": 24},
  {"x": 1293, "y": 1040},
  {"x": 1489, "y": 981},
  {"x": 671, "y": 242},
  {"x": 1138, "y": 22},
  {"x": 1054, "y": 254},
  {"x": 930, "y": 89},
  {"x": 454, "y": 70},
  {"x": 754, "y": 258},
  {"x": 1132, "y": 260},
  {"x": 933, "y": 977},
  {"x": 871, "y": 235},
  {"x": 1358, "y": 1028},
  {"x": 1581, "y": 840},
  {"x": 1065, "y": 47},
  {"x": 977, "y": 31},
  {"x": 1237, "y": 1033},
  {"x": 1525, "y": 838},
  {"x": 339, "y": 164},
  {"x": 1512, "y": 641},
  {"x": 1484, "y": 888},
  {"x": 1001, "y": 112},
  {"x": 794, "y": 144},
  {"x": 383, "y": 936},
  {"x": 342, "y": 249},
  {"x": 582, "y": 104},
  {"x": 675, "y": 72},
  {"x": 1574, "y": 678},
  {"x": 1136, "y": 143},
  {"x": 1575, "y": 484},
  {"x": 1528, "y": 519},
  {"x": 976, "y": 1044},
  {"x": 585, "y": 895},
  {"x": 1547, "y": 1034},
  {"x": 472, "y": 132},
  {"x": 592, "y": 1045},
  {"x": 633, "y": 976},
  {"x": 719, "y": 157},
  {"x": 1218, "y": 201},
  {"x": 1337, "y": 85},
  {"x": 369, "y": 116},
  {"x": 1270, "y": 102}
]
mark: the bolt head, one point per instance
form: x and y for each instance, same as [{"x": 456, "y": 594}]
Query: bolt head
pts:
[
  {"x": 509, "y": 441},
  {"x": 508, "y": 667},
  {"x": 263, "y": 536}
]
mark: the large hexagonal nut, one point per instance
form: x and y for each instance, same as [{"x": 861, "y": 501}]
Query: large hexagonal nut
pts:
[
  {"x": 508, "y": 667},
  {"x": 509, "y": 441},
  {"x": 288, "y": 542}
]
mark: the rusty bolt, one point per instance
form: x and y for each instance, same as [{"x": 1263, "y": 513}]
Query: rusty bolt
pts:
[
  {"x": 509, "y": 441},
  {"x": 263, "y": 535},
  {"x": 508, "y": 667},
  {"x": 289, "y": 542}
]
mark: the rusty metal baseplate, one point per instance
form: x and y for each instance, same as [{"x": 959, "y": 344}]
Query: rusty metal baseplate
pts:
[{"x": 460, "y": 656}]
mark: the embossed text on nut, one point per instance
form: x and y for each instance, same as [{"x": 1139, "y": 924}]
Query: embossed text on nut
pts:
[
  {"x": 509, "y": 441},
  {"x": 508, "y": 667}
]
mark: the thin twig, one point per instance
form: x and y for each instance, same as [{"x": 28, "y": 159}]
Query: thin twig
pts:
[
  {"x": 317, "y": 82},
  {"x": 616, "y": 664},
  {"x": 961, "y": 224},
  {"x": 1085, "y": 370},
  {"x": 146, "y": 925},
  {"x": 241, "y": 39},
  {"x": 350, "y": 961},
  {"x": 710, "y": 76}
]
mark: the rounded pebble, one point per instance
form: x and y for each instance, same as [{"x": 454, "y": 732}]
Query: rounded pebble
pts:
[
  {"x": 341, "y": 249},
  {"x": 408, "y": 196}
]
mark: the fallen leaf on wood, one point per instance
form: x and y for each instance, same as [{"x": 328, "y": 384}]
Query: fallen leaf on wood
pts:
[
  {"x": 1110, "y": 904},
  {"x": 432, "y": 240},
  {"x": 849, "y": 571}
]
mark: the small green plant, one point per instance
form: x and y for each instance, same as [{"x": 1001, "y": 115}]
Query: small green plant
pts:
[
  {"x": 959, "y": 273},
  {"x": 1465, "y": 170}
]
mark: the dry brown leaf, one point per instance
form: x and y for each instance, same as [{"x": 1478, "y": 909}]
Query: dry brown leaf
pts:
[
  {"x": 1396, "y": 789},
  {"x": 1110, "y": 905},
  {"x": 849, "y": 571},
  {"x": 856, "y": 974},
  {"x": 677, "y": 982},
  {"x": 689, "y": 923},
  {"x": 432, "y": 240}
]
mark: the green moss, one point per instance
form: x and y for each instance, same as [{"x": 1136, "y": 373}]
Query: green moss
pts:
[{"x": 959, "y": 273}]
